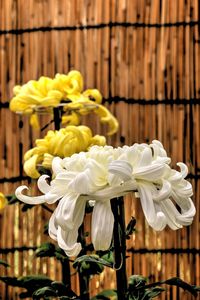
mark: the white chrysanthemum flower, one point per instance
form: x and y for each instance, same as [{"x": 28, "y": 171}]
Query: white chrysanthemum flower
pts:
[{"x": 104, "y": 173}]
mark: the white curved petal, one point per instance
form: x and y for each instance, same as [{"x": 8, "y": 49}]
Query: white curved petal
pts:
[
  {"x": 97, "y": 174},
  {"x": 158, "y": 143},
  {"x": 60, "y": 185},
  {"x": 115, "y": 191},
  {"x": 158, "y": 148},
  {"x": 184, "y": 189},
  {"x": 171, "y": 213},
  {"x": 33, "y": 200},
  {"x": 146, "y": 158},
  {"x": 42, "y": 184},
  {"x": 175, "y": 177},
  {"x": 81, "y": 183},
  {"x": 162, "y": 160},
  {"x": 57, "y": 166},
  {"x": 70, "y": 211},
  {"x": 150, "y": 172},
  {"x": 67, "y": 240},
  {"x": 184, "y": 169},
  {"x": 187, "y": 216},
  {"x": 163, "y": 193},
  {"x": 175, "y": 218},
  {"x": 102, "y": 225},
  {"x": 114, "y": 180},
  {"x": 67, "y": 176},
  {"x": 156, "y": 219},
  {"x": 53, "y": 227},
  {"x": 130, "y": 154},
  {"x": 121, "y": 168}
]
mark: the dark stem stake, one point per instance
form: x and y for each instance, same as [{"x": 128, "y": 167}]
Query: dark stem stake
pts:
[
  {"x": 119, "y": 235},
  {"x": 83, "y": 278},
  {"x": 66, "y": 278},
  {"x": 57, "y": 118}
]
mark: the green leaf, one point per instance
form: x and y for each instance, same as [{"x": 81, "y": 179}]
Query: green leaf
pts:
[
  {"x": 30, "y": 281},
  {"x": 141, "y": 286},
  {"x": 60, "y": 255},
  {"x": 13, "y": 281},
  {"x": 154, "y": 292},
  {"x": 182, "y": 284},
  {"x": 107, "y": 294},
  {"x": 108, "y": 257},
  {"x": 60, "y": 287},
  {"x": 136, "y": 281},
  {"x": 93, "y": 258},
  {"x": 63, "y": 290},
  {"x": 4, "y": 263},
  {"x": 91, "y": 264},
  {"x": 46, "y": 250},
  {"x": 44, "y": 292},
  {"x": 50, "y": 250},
  {"x": 149, "y": 294}
]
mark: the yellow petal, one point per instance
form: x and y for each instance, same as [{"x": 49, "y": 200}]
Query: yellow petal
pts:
[
  {"x": 72, "y": 119},
  {"x": 30, "y": 153},
  {"x": 30, "y": 166},
  {"x": 93, "y": 94},
  {"x": 98, "y": 140},
  {"x": 107, "y": 117},
  {"x": 16, "y": 89},
  {"x": 76, "y": 75},
  {"x": 77, "y": 133},
  {"x": 34, "y": 121},
  {"x": 3, "y": 201},
  {"x": 47, "y": 161},
  {"x": 76, "y": 97}
]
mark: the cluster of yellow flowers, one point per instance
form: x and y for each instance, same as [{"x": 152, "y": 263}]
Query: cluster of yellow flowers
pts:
[
  {"x": 3, "y": 201},
  {"x": 62, "y": 143},
  {"x": 63, "y": 90}
]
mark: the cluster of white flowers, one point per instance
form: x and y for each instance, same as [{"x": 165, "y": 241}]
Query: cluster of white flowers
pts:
[{"x": 104, "y": 173}]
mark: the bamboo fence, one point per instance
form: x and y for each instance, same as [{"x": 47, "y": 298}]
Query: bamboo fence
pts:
[{"x": 144, "y": 57}]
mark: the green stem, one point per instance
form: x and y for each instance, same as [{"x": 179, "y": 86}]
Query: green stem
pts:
[{"x": 119, "y": 235}]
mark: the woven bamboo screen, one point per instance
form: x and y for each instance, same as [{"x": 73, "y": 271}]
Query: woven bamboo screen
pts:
[{"x": 144, "y": 56}]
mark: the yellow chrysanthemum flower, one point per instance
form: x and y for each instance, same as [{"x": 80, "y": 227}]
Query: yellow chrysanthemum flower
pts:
[
  {"x": 3, "y": 201},
  {"x": 62, "y": 143},
  {"x": 64, "y": 90}
]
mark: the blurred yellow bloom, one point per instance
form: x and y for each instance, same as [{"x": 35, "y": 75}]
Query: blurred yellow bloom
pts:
[
  {"x": 45, "y": 92},
  {"x": 3, "y": 201},
  {"x": 64, "y": 90},
  {"x": 34, "y": 121},
  {"x": 62, "y": 143}
]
